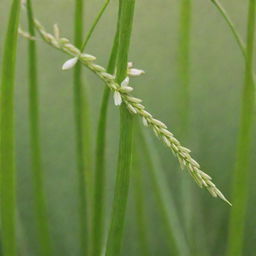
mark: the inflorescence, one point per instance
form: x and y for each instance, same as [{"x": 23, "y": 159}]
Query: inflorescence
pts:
[{"x": 122, "y": 94}]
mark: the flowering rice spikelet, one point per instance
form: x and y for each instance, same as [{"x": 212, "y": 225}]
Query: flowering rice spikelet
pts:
[{"x": 133, "y": 104}]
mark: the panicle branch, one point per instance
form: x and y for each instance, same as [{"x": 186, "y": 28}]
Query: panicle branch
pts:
[{"x": 122, "y": 94}]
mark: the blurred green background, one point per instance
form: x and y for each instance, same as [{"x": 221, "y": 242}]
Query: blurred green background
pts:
[{"x": 216, "y": 81}]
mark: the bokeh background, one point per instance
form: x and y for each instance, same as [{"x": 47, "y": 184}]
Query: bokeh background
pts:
[{"x": 216, "y": 81}]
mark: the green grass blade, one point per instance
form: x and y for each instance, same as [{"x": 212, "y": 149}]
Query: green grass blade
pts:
[
  {"x": 184, "y": 101},
  {"x": 96, "y": 20},
  {"x": 231, "y": 25},
  {"x": 122, "y": 184},
  {"x": 100, "y": 163},
  {"x": 241, "y": 172},
  {"x": 184, "y": 63},
  {"x": 174, "y": 232},
  {"x": 7, "y": 136},
  {"x": 80, "y": 108},
  {"x": 125, "y": 142},
  {"x": 234, "y": 31},
  {"x": 40, "y": 204},
  {"x": 188, "y": 200}
]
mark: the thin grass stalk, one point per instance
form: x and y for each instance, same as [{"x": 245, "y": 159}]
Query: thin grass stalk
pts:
[
  {"x": 241, "y": 172},
  {"x": 96, "y": 20},
  {"x": 7, "y": 135},
  {"x": 184, "y": 99},
  {"x": 80, "y": 108},
  {"x": 237, "y": 36},
  {"x": 140, "y": 205},
  {"x": 184, "y": 63},
  {"x": 177, "y": 241},
  {"x": 100, "y": 163},
  {"x": 231, "y": 25},
  {"x": 188, "y": 202},
  {"x": 40, "y": 204},
  {"x": 115, "y": 236}
]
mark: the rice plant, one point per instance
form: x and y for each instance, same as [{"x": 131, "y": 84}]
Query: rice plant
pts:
[{"x": 123, "y": 179}]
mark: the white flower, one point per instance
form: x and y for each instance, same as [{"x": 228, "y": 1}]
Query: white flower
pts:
[
  {"x": 136, "y": 72},
  {"x": 117, "y": 98},
  {"x": 70, "y": 63},
  {"x": 125, "y": 82}
]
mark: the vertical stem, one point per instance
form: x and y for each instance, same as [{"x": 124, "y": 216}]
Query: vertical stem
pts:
[
  {"x": 114, "y": 242},
  {"x": 100, "y": 168},
  {"x": 122, "y": 184},
  {"x": 241, "y": 172},
  {"x": 184, "y": 99},
  {"x": 184, "y": 65},
  {"x": 80, "y": 108},
  {"x": 7, "y": 136},
  {"x": 40, "y": 204}
]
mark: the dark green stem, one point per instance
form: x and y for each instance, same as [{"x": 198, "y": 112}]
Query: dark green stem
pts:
[
  {"x": 7, "y": 135},
  {"x": 241, "y": 172},
  {"x": 40, "y": 204},
  {"x": 115, "y": 236},
  {"x": 79, "y": 108},
  {"x": 100, "y": 168}
]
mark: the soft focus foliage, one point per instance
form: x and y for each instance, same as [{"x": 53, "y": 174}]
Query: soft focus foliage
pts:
[{"x": 217, "y": 69}]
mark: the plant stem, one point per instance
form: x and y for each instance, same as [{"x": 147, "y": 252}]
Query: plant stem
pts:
[
  {"x": 90, "y": 32},
  {"x": 80, "y": 108},
  {"x": 231, "y": 25},
  {"x": 234, "y": 31},
  {"x": 184, "y": 65},
  {"x": 100, "y": 164},
  {"x": 176, "y": 238},
  {"x": 40, "y": 204},
  {"x": 241, "y": 172},
  {"x": 114, "y": 242},
  {"x": 184, "y": 99},
  {"x": 7, "y": 135}
]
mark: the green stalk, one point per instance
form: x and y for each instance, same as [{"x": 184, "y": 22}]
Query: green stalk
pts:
[
  {"x": 231, "y": 25},
  {"x": 80, "y": 108},
  {"x": 175, "y": 235},
  {"x": 235, "y": 33},
  {"x": 7, "y": 136},
  {"x": 90, "y": 32},
  {"x": 241, "y": 172},
  {"x": 139, "y": 205},
  {"x": 115, "y": 236},
  {"x": 40, "y": 204},
  {"x": 100, "y": 164},
  {"x": 188, "y": 201},
  {"x": 184, "y": 99}
]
